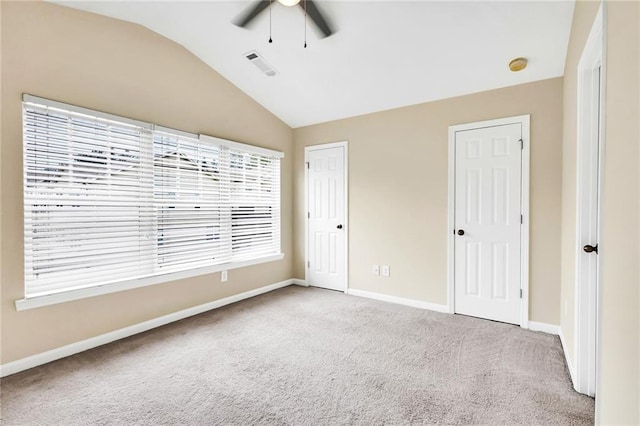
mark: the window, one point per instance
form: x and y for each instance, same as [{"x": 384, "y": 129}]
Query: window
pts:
[{"x": 110, "y": 200}]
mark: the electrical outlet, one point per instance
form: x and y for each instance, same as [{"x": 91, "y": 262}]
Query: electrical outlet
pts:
[
  {"x": 385, "y": 271},
  {"x": 376, "y": 270},
  {"x": 223, "y": 276}
]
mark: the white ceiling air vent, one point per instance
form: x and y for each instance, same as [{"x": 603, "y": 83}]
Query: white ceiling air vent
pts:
[{"x": 259, "y": 62}]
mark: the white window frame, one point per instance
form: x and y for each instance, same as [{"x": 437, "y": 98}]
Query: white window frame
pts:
[{"x": 70, "y": 295}]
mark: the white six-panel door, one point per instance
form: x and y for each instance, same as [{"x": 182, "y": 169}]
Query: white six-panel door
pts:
[
  {"x": 326, "y": 252},
  {"x": 488, "y": 173}
]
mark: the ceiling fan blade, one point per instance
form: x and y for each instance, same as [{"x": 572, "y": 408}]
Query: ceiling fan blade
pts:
[
  {"x": 254, "y": 10},
  {"x": 317, "y": 17}
]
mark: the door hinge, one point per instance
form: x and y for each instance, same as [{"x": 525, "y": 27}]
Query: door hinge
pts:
[
  {"x": 521, "y": 219},
  {"x": 308, "y": 215},
  {"x": 521, "y": 144},
  {"x": 307, "y": 164},
  {"x": 520, "y": 293},
  {"x": 308, "y": 264}
]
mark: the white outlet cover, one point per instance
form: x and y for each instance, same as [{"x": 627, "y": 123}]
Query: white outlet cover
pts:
[
  {"x": 223, "y": 276},
  {"x": 385, "y": 271},
  {"x": 376, "y": 270}
]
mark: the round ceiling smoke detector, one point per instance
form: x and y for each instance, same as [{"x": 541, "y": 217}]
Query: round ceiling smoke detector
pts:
[{"x": 518, "y": 64}]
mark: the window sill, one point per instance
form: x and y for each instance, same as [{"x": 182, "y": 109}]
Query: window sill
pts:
[{"x": 52, "y": 299}]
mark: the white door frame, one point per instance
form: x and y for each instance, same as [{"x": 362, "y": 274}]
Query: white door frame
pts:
[
  {"x": 524, "y": 120},
  {"x": 307, "y": 149},
  {"x": 590, "y": 108}
]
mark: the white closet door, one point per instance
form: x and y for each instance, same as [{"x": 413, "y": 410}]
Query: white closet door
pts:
[
  {"x": 326, "y": 185},
  {"x": 487, "y": 222}
]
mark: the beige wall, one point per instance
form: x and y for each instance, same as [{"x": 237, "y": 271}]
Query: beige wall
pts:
[
  {"x": 619, "y": 389},
  {"x": 398, "y": 191},
  {"x": 125, "y": 69},
  {"x": 618, "y": 393},
  {"x": 583, "y": 16}
]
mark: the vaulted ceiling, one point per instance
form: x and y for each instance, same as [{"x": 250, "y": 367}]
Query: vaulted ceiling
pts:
[{"x": 385, "y": 54}]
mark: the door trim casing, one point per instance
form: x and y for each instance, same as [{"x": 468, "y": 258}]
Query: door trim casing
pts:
[
  {"x": 307, "y": 149},
  {"x": 523, "y": 120},
  {"x": 587, "y": 316}
]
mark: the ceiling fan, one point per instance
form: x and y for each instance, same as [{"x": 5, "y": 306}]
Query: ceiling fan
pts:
[{"x": 309, "y": 6}]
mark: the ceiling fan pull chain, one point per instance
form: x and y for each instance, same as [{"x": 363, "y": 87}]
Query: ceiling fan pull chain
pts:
[
  {"x": 270, "y": 41},
  {"x": 305, "y": 24}
]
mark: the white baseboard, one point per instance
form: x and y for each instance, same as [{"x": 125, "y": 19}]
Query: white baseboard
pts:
[
  {"x": 399, "y": 300},
  {"x": 566, "y": 357},
  {"x": 74, "y": 348},
  {"x": 544, "y": 327}
]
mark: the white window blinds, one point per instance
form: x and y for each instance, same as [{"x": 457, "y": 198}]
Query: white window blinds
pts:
[
  {"x": 108, "y": 199},
  {"x": 254, "y": 197},
  {"x": 188, "y": 200}
]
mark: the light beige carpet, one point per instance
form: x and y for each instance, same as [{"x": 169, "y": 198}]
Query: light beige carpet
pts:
[{"x": 307, "y": 356}]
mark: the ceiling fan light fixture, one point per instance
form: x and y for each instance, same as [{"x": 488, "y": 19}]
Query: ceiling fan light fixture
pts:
[{"x": 311, "y": 12}]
